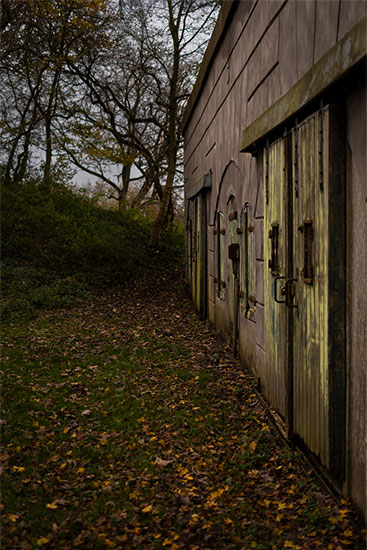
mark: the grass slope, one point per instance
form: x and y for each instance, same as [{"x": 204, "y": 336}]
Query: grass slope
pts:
[{"x": 55, "y": 247}]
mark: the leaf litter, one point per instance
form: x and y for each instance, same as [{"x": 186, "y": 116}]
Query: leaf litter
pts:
[{"x": 128, "y": 424}]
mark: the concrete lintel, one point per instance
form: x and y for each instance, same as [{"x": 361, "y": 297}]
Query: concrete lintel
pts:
[
  {"x": 204, "y": 184},
  {"x": 349, "y": 51}
]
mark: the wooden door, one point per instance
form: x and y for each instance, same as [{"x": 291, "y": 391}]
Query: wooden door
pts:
[
  {"x": 199, "y": 256},
  {"x": 318, "y": 233},
  {"x": 304, "y": 250},
  {"x": 310, "y": 257},
  {"x": 275, "y": 257},
  {"x": 232, "y": 239}
]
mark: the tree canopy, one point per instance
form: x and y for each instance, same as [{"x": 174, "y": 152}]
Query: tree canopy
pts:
[{"x": 101, "y": 85}]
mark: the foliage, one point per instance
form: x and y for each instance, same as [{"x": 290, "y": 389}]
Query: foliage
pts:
[
  {"x": 55, "y": 246},
  {"x": 127, "y": 424},
  {"x": 39, "y": 38},
  {"x": 102, "y": 84}
]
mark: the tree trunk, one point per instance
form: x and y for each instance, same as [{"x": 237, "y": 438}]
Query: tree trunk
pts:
[
  {"x": 172, "y": 137},
  {"x": 126, "y": 172},
  {"x": 163, "y": 207},
  {"x": 144, "y": 189},
  {"x": 46, "y": 184}
]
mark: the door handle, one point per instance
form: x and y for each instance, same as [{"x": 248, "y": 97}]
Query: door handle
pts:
[
  {"x": 283, "y": 290},
  {"x": 289, "y": 292}
]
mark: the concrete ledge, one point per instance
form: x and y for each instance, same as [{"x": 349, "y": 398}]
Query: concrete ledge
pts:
[
  {"x": 204, "y": 184},
  {"x": 349, "y": 51}
]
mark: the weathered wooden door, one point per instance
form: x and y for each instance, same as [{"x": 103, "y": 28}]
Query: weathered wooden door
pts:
[
  {"x": 199, "y": 255},
  {"x": 318, "y": 237},
  {"x": 232, "y": 239},
  {"x": 310, "y": 268},
  {"x": 275, "y": 257},
  {"x": 305, "y": 298}
]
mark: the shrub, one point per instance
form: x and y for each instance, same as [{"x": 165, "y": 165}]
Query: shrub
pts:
[{"x": 56, "y": 245}]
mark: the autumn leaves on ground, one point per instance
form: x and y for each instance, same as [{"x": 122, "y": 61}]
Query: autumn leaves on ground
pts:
[{"x": 127, "y": 424}]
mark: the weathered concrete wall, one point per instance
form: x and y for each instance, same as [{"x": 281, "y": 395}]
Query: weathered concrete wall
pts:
[
  {"x": 356, "y": 292},
  {"x": 265, "y": 48}
]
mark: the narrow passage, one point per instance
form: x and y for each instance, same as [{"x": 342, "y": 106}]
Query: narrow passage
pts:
[{"x": 127, "y": 424}]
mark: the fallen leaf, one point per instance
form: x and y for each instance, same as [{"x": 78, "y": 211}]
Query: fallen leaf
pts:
[
  {"x": 147, "y": 509},
  {"x": 42, "y": 540},
  {"x": 160, "y": 462}
]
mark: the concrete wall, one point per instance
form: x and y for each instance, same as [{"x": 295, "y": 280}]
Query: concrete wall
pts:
[
  {"x": 260, "y": 51},
  {"x": 356, "y": 292}
]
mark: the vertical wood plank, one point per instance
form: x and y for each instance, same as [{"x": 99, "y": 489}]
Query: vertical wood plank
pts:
[{"x": 275, "y": 317}]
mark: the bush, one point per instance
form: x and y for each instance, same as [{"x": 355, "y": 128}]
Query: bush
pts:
[{"x": 54, "y": 246}]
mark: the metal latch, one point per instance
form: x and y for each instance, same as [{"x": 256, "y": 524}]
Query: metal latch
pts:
[{"x": 288, "y": 290}]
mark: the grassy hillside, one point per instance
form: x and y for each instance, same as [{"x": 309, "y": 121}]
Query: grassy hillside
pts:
[{"x": 57, "y": 248}]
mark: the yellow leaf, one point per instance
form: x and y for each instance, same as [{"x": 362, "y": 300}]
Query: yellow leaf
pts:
[
  {"x": 228, "y": 521},
  {"x": 148, "y": 508},
  {"x": 216, "y": 494},
  {"x": 42, "y": 540},
  {"x": 63, "y": 466},
  {"x": 253, "y": 445},
  {"x": 80, "y": 470},
  {"x": 18, "y": 468},
  {"x": 13, "y": 517},
  {"x": 52, "y": 506}
]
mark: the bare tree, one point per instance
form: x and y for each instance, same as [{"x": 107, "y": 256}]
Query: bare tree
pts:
[
  {"x": 104, "y": 82},
  {"x": 138, "y": 87},
  {"x": 38, "y": 37}
]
